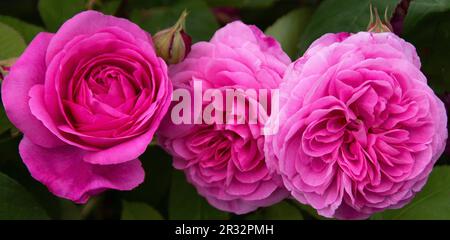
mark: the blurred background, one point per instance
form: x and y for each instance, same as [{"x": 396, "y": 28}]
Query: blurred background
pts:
[{"x": 294, "y": 23}]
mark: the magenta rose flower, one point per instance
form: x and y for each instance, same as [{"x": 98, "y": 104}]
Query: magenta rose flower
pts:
[
  {"x": 360, "y": 128},
  {"x": 88, "y": 100},
  {"x": 225, "y": 160}
]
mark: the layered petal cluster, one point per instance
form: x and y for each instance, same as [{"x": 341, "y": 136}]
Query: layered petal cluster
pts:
[
  {"x": 225, "y": 161},
  {"x": 88, "y": 100},
  {"x": 360, "y": 128}
]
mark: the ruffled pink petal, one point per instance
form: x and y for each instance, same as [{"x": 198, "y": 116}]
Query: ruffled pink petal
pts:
[
  {"x": 28, "y": 71},
  {"x": 66, "y": 175},
  {"x": 120, "y": 153},
  {"x": 123, "y": 152},
  {"x": 87, "y": 23},
  {"x": 226, "y": 162},
  {"x": 375, "y": 147}
]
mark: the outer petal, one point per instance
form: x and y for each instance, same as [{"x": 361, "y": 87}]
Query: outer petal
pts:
[
  {"x": 87, "y": 23},
  {"x": 28, "y": 71},
  {"x": 122, "y": 152},
  {"x": 239, "y": 206},
  {"x": 236, "y": 33},
  {"x": 66, "y": 175},
  {"x": 325, "y": 41},
  {"x": 346, "y": 212}
]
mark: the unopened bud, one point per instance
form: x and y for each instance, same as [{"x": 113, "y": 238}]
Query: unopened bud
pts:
[
  {"x": 5, "y": 66},
  {"x": 376, "y": 24},
  {"x": 173, "y": 44}
]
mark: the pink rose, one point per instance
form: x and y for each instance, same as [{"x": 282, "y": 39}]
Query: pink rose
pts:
[
  {"x": 225, "y": 162},
  {"x": 88, "y": 100},
  {"x": 361, "y": 129}
]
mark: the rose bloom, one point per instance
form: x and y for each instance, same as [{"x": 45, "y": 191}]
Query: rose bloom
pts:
[
  {"x": 225, "y": 162},
  {"x": 361, "y": 129},
  {"x": 88, "y": 100}
]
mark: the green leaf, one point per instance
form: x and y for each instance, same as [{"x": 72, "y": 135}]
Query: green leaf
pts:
[
  {"x": 140, "y": 4},
  {"x": 419, "y": 9},
  {"x": 200, "y": 23},
  {"x": 433, "y": 202},
  {"x": 288, "y": 29},
  {"x": 431, "y": 38},
  {"x": 11, "y": 164},
  {"x": 427, "y": 27},
  {"x": 110, "y": 6},
  {"x": 5, "y": 124},
  {"x": 280, "y": 211},
  {"x": 55, "y": 12},
  {"x": 27, "y": 30},
  {"x": 139, "y": 211},
  {"x": 155, "y": 188},
  {"x": 68, "y": 210},
  {"x": 16, "y": 202},
  {"x": 241, "y": 3},
  {"x": 186, "y": 204},
  {"x": 11, "y": 43},
  {"x": 307, "y": 211},
  {"x": 334, "y": 16}
]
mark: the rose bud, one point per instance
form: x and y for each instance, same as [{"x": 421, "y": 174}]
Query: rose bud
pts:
[
  {"x": 376, "y": 24},
  {"x": 5, "y": 66},
  {"x": 173, "y": 44}
]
